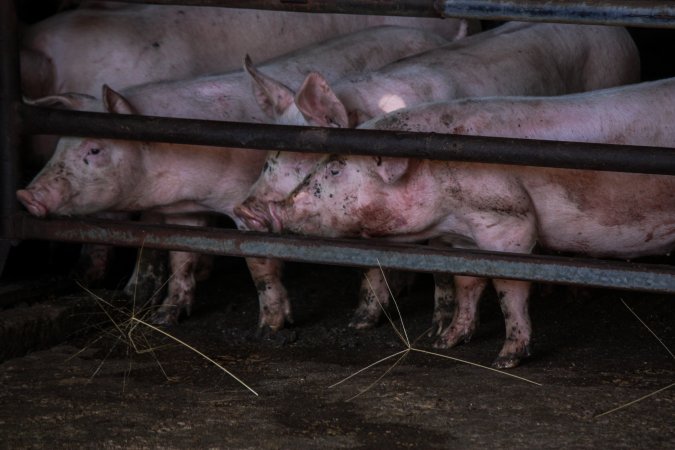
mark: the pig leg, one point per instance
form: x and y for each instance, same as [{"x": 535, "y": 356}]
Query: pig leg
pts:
[
  {"x": 376, "y": 288},
  {"x": 465, "y": 319},
  {"x": 275, "y": 307},
  {"x": 444, "y": 303},
  {"x": 182, "y": 281},
  {"x": 373, "y": 297},
  {"x": 149, "y": 276},
  {"x": 513, "y": 298},
  {"x": 181, "y": 288},
  {"x": 150, "y": 271},
  {"x": 444, "y": 296},
  {"x": 93, "y": 263}
]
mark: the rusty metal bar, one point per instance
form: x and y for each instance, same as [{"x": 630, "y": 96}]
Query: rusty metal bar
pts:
[
  {"x": 636, "y": 13},
  {"x": 9, "y": 129},
  {"x": 360, "y": 253},
  {"x": 415, "y": 8},
  {"x": 621, "y": 158}
]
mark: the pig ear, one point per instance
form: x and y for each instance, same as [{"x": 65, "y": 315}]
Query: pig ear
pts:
[
  {"x": 391, "y": 169},
  {"x": 65, "y": 101},
  {"x": 114, "y": 102},
  {"x": 319, "y": 105},
  {"x": 272, "y": 96}
]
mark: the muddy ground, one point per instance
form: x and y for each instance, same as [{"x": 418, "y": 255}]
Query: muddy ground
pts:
[{"x": 591, "y": 355}]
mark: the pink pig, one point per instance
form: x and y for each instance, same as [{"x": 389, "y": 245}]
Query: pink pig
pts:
[
  {"x": 502, "y": 208},
  {"x": 130, "y": 44},
  {"x": 514, "y": 59},
  {"x": 87, "y": 176}
]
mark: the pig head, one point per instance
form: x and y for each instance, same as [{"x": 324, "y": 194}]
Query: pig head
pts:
[{"x": 85, "y": 176}]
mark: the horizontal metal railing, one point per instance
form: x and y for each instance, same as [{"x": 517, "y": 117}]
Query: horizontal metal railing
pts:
[
  {"x": 619, "y": 158},
  {"x": 32, "y": 120},
  {"x": 352, "y": 252},
  {"x": 637, "y": 13}
]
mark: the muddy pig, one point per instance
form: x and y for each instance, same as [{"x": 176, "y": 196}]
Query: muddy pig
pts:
[
  {"x": 125, "y": 45},
  {"x": 86, "y": 176},
  {"x": 514, "y": 59},
  {"x": 502, "y": 208}
]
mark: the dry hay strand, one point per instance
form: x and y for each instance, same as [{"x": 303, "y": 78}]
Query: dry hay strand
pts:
[
  {"x": 658, "y": 391},
  {"x": 131, "y": 328},
  {"x": 409, "y": 347}
]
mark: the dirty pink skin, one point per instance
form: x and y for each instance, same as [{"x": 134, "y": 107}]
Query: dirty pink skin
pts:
[
  {"x": 514, "y": 59},
  {"x": 503, "y": 208},
  {"x": 91, "y": 175},
  {"x": 125, "y": 45}
]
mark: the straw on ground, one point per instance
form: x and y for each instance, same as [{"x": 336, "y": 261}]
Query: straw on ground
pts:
[
  {"x": 409, "y": 347},
  {"x": 626, "y": 405},
  {"x": 126, "y": 331}
]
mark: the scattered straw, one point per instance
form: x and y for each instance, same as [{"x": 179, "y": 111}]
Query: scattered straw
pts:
[
  {"x": 409, "y": 347},
  {"x": 134, "y": 325},
  {"x": 626, "y": 405}
]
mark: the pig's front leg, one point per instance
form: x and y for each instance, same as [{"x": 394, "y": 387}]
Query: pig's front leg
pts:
[
  {"x": 465, "y": 319},
  {"x": 149, "y": 276},
  {"x": 93, "y": 263},
  {"x": 377, "y": 287},
  {"x": 444, "y": 296},
  {"x": 444, "y": 303},
  {"x": 373, "y": 297},
  {"x": 181, "y": 288},
  {"x": 275, "y": 307},
  {"x": 513, "y": 298},
  {"x": 150, "y": 271},
  {"x": 182, "y": 280}
]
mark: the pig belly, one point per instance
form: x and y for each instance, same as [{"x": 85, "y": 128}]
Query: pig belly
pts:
[{"x": 615, "y": 215}]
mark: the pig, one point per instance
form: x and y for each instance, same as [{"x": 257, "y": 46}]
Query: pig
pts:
[
  {"x": 86, "y": 176},
  {"x": 125, "y": 45},
  {"x": 145, "y": 43},
  {"x": 514, "y": 59},
  {"x": 498, "y": 207}
]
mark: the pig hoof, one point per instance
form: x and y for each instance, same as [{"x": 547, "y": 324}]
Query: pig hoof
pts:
[
  {"x": 278, "y": 337},
  {"x": 437, "y": 326},
  {"x": 362, "y": 321},
  {"x": 506, "y": 362},
  {"x": 511, "y": 360},
  {"x": 450, "y": 339}
]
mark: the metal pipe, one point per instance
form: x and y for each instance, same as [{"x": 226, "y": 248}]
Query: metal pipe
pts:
[
  {"x": 9, "y": 126},
  {"x": 415, "y": 8},
  {"x": 419, "y": 258},
  {"x": 636, "y": 13},
  {"x": 620, "y": 158}
]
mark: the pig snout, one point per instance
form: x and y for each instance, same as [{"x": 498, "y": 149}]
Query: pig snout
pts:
[
  {"x": 31, "y": 202},
  {"x": 40, "y": 200},
  {"x": 258, "y": 216}
]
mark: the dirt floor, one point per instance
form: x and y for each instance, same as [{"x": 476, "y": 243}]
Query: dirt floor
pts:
[{"x": 591, "y": 355}]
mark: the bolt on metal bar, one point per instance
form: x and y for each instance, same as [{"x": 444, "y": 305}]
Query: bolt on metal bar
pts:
[
  {"x": 620, "y": 158},
  {"x": 636, "y": 13},
  {"x": 9, "y": 127},
  {"x": 351, "y": 252}
]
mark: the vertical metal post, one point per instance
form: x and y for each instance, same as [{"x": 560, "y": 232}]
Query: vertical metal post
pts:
[{"x": 9, "y": 123}]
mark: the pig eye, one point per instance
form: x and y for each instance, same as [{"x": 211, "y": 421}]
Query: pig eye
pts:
[
  {"x": 95, "y": 151},
  {"x": 335, "y": 167}
]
